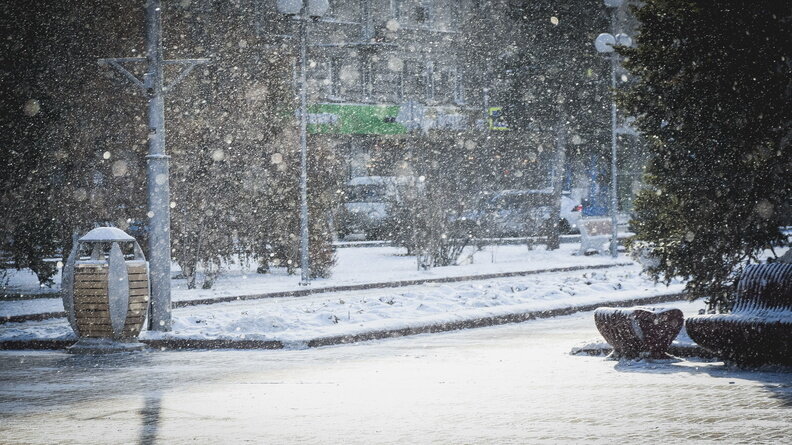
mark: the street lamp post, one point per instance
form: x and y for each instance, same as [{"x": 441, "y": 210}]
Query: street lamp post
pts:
[
  {"x": 411, "y": 115},
  {"x": 155, "y": 88},
  {"x": 304, "y": 10},
  {"x": 604, "y": 43}
]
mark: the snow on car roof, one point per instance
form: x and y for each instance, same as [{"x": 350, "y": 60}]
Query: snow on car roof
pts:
[
  {"x": 367, "y": 180},
  {"x": 544, "y": 191},
  {"x": 377, "y": 180}
]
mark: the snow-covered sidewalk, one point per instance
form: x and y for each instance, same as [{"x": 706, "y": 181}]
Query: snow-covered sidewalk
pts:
[{"x": 295, "y": 320}]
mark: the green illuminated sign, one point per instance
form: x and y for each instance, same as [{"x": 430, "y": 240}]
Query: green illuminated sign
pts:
[
  {"x": 354, "y": 119},
  {"x": 496, "y": 120}
]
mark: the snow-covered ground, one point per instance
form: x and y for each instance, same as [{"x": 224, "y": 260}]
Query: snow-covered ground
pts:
[
  {"x": 24, "y": 281},
  {"x": 380, "y": 264},
  {"x": 298, "y": 319},
  {"x": 301, "y": 318},
  {"x": 354, "y": 266}
]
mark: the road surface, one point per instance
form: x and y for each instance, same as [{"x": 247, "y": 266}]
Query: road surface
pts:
[{"x": 507, "y": 384}]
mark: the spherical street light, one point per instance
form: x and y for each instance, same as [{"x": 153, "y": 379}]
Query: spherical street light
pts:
[
  {"x": 623, "y": 40},
  {"x": 604, "y": 43}
]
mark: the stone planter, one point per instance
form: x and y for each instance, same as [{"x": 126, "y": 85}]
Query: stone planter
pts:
[{"x": 639, "y": 332}]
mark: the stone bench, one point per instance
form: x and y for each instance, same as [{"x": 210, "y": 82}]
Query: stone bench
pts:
[
  {"x": 639, "y": 332},
  {"x": 759, "y": 328},
  {"x": 594, "y": 232}
]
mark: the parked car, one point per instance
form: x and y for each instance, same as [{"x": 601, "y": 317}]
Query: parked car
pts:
[
  {"x": 520, "y": 213},
  {"x": 571, "y": 211},
  {"x": 367, "y": 209}
]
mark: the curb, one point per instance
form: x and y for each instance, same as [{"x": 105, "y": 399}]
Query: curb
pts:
[
  {"x": 37, "y": 344},
  {"x": 201, "y": 344},
  {"x": 159, "y": 344},
  {"x": 331, "y": 289},
  {"x": 485, "y": 321},
  {"x": 190, "y": 344},
  {"x": 16, "y": 296},
  {"x": 41, "y": 316},
  {"x": 684, "y": 351},
  {"x": 508, "y": 241}
]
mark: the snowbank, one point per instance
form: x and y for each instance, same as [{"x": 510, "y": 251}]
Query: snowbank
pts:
[{"x": 297, "y": 319}]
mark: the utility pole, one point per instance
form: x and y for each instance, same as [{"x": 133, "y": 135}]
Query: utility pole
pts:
[
  {"x": 605, "y": 44},
  {"x": 158, "y": 179},
  {"x": 554, "y": 232},
  {"x": 614, "y": 249},
  {"x": 305, "y": 263}
]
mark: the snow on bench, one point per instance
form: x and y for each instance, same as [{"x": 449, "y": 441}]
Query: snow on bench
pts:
[
  {"x": 594, "y": 232},
  {"x": 759, "y": 328}
]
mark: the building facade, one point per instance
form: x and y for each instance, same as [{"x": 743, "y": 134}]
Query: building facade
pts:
[
  {"x": 383, "y": 72},
  {"x": 379, "y": 70}
]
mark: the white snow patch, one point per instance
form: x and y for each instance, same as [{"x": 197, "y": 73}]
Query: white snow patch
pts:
[{"x": 296, "y": 319}]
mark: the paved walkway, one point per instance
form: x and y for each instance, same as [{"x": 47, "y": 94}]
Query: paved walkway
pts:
[{"x": 507, "y": 384}]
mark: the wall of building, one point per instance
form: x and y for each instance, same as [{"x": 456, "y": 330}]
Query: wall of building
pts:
[{"x": 368, "y": 59}]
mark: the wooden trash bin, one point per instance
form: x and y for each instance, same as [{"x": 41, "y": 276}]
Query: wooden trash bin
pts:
[{"x": 106, "y": 295}]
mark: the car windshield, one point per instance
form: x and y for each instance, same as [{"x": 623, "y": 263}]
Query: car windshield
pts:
[
  {"x": 366, "y": 193},
  {"x": 515, "y": 201},
  {"x": 512, "y": 202}
]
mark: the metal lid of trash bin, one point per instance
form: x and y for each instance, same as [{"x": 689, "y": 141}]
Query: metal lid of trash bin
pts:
[{"x": 106, "y": 235}]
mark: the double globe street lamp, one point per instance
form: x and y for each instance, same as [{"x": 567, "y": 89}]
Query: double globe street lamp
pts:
[
  {"x": 304, "y": 10},
  {"x": 605, "y": 43}
]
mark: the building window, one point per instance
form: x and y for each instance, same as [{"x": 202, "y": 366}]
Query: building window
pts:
[
  {"x": 344, "y": 10},
  {"x": 422, "y": 14},
  {"x": 396, "y": 8},
  {"x": 417, "y": 81},
  {"x": 402, "y": 96},
  {"x": 342, "y": 78},
  {"x": 459, "y": 86},
  {"x": 367, "y": 78},
  {"x": 413, "y": 83},
  {"x": 387, "y": 83},
  {"x": 365, "y": 19},
  {"x": 445, "y": 15},
  {"x": 429, "y": 81},
  {"x": 444, "y": 85},
  {"x": 414, "y": 12},
  {"x": 334, "y": 78}
]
